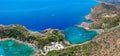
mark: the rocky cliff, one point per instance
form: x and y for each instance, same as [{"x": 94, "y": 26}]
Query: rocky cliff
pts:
[{"x": 111, "y": 1}]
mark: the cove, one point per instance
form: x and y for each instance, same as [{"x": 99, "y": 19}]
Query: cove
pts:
[
  {"x": 38, "y": 15},
  {"x": 13, "y": 48},
  {"x": 42, "y": 14},
  {"x": 76, "y": 35}
]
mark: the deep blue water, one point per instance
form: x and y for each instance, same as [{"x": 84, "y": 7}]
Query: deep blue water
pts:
[
  {"x": 37, "y": 15},
  {"x": 42, "y": 14},
  {"x": 13, "y": 48}
]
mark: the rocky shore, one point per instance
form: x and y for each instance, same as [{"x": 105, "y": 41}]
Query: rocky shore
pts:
[
  {"x": 101, "y": 45},
  {"x": 84, "y": 25},
  {"x": 36, "y": 40},
  {"x": 106, "y": 21},
  {"x": 99, "y": 15}
]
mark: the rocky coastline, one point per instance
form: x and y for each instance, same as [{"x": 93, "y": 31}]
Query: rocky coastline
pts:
[
  {"x": 32, "y": 39},
  {"x": 97, "y": 15},
  {"x": 106, "y": 20},
  {"x": 37, "y": 36}
]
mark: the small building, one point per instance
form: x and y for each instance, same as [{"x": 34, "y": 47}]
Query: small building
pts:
[{"x": 53, "y": 46}]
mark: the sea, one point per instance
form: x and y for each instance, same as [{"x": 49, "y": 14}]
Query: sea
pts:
[
  {"x": 42, "y": 14},
  {"x": 38, "y": 15}
]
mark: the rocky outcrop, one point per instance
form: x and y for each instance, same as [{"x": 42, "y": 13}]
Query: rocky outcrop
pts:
[
  {"x": 84, "y": 25},
  {"x": 111, "y": 1}
]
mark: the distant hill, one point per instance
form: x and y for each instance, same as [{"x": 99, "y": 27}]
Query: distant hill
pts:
[{"x": 111, "y": 1}]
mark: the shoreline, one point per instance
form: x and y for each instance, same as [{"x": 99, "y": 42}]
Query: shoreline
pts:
[
  {"x": 87, "y": 17},
  {"x": 86, "y": 25},
  {"x": 28, "y": 44},
  {"x": 37, "y": 33}
]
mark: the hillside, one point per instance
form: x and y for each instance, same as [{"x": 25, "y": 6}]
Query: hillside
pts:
[
  {"x": 111, "y": 1},
  {"x": 107, "y": 44},
  {"x": 107, "y": 17},
  {"x": 104, "y": 16}
]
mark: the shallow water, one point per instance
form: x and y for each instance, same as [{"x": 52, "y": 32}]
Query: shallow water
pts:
[
  {"x": 78, "y": 35},
  {"x": 37, "y": 15},
  {"x": 13, "y": 48}
]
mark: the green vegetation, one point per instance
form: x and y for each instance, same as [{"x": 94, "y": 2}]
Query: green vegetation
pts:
[
  {"x": 105, "y": 16},
  {"x": 20, "y": 33},
  {"x": 11, "y": 33},
  {"x": 82, "y": 50},
  {"x": 106, "y": 23},
  {"x": 107, "y": 44}
]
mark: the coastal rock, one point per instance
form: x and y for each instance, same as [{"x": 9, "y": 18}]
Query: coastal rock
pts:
[
  {"x": 36, "y": 39},
  {"x": 49, "y": 32},
  {"x": 35, "y": 33},
  {"x": 111, "y": 1},
  {"x": 99, "y": 31},
  {"x": 84, "y": 25}
]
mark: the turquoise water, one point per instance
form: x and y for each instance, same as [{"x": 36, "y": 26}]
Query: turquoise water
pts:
[
  {"x": 38, "y": 15},
  {"x": 13, "y": 48},
  {"x": 78, "y": 35}
]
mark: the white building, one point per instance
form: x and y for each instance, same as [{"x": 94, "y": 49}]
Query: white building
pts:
[{"x": 54, "y": 46}]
